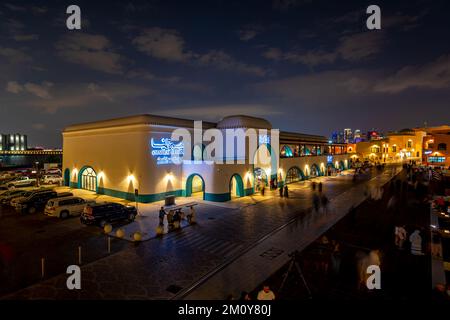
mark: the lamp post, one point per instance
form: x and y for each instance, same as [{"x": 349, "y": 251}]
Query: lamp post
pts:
[{"x": 37, "y": 174}]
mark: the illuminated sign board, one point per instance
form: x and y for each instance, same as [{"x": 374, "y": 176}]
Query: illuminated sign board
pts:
[
  {"x": 330, "y": 159},
  {"x": 428, "y": 152},
  {"x": 167, "y": 152},
  {"x": 264, "y": 139}
]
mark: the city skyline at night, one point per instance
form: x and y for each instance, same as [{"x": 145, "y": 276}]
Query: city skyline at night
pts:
[{"x": 307, "y": 66}]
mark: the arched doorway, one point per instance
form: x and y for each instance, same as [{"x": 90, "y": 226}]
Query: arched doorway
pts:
[
  {"x": 87, "y": 179},
  {"x": 265, "y": 164},
  {"x": 260, "y": 179},
  {"x": 236, "y": 186},
  {"x": 67, "y": 177},
  {"x": 315, "y": 172},
  {"x": 341, "y": 165},
  {"x": 330, "y": 169},
  {"x": 294, "y": 174},
  {"x": 195, "y": 186}
]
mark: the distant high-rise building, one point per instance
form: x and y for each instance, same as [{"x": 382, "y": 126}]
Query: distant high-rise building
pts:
[
  {"x": 358, "y": 136},
  {"x": 13, "y": 142},
  {"x": 348, "y": 136}
]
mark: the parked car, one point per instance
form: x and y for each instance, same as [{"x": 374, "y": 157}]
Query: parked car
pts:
[
  {"x": 6, "y": 197},
  {"x": 37, "y": 200},
  {"x": 103, "y": 213},
  {"x": 54, "y": 171},
  {"x": 22, "y": 181},
  {"x": 66, "y": 206},
  {"x": 52, "y": 179}
]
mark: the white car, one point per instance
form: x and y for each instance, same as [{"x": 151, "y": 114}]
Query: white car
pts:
[
  {"x": 52, "y": 179},
  {"x": 22, "y": 181},
  {"x": 66, "y": 207},
  {"x": 54, "y": 171}
]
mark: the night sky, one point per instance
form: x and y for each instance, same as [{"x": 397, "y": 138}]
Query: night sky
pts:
[{"x": 307, "y": 66}]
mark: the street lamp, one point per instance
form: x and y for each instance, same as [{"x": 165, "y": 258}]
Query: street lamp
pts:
[{"x": 37, "y": 174}]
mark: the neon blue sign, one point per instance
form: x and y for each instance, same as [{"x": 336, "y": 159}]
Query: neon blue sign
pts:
[
  {"x": 167, "y": 152},
  {"x": 330, "y": 159}
]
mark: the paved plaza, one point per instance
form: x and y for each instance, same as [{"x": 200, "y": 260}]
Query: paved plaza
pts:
[{"x": 219, "y": 255}]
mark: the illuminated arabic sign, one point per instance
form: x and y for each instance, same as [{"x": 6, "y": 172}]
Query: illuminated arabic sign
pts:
[
  {"x": 167, "y": 152},
  {"x": 330, "y": 159},
  {"x": 428, "y": 152}
]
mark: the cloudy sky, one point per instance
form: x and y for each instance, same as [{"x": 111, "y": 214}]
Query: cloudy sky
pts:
[{"x": 306, "y": 65}]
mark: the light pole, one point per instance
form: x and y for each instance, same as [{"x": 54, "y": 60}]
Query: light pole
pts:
[{"x": 37, "y": 174}]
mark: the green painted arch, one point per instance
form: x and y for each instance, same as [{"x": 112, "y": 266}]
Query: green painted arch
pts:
[
  {"x": 189, "y": 184},
  {"x": 67, "y": 177},
  {"x": 302, "y": 175},
  {"x": 80, "y": 174},
  {"x": 317, "y": 169},
  {"x": 287, "y": 151},
  {"x": 266, "y": 180},
  {"x": 239, "y": 185}
]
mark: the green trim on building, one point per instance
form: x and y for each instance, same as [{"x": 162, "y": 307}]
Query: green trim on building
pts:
[
  {"x": 217, "y": 197},
  {"x": 239, "y": 184},
  {"x": 249, "y": 191},
  {"x": 144, "y": 198}
]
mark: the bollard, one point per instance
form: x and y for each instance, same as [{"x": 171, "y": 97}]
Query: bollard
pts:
[
  {"x": 107, "y": 228},
  {"x": 42, "y": 268},
  {"x": 137, "y": 236},
  {"x": 109, "y": 244},
  {"x": 120, "y": 233},
  {"x": 79, "y": 255}
]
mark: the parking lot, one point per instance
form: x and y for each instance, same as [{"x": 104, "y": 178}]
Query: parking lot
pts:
[
  {"x": 26, "y": 239},
  {"x": 35, "y": 245}
]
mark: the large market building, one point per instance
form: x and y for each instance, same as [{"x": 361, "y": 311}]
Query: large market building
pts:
[{"x": 127, "y": 158}]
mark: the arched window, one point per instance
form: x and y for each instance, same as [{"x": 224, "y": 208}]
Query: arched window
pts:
[
  {"x": 442, "y": 146},
  {"x": 286, "y": 152},
  {"x": 294, "y": 174},
  {"x": 89, "y": 179}
]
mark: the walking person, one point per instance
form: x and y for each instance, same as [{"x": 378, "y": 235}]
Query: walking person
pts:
[
  {"x": 416, "y": 243},
  {"x": 286, "y": 191},
  {"x": 263, "y": 189},
  {"x": 320, "y": 186},
  {"x": 324, "y": 202},
  {"x": 281, "y": 191},
  {"x": 177, "y": 219},
  {"x": 400, "y": 236},
  {"x": 170, "y": 219},
  {"x": 162, "y": 214},
  {"x": 266, "y": 294},
  {"x": 313, "y": 186},
  {"x": 336, "y": 259},
  {"x": 316, "y": 202}
]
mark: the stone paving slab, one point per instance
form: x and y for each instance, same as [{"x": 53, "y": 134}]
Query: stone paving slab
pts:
[{"x": 269, "y": 255}]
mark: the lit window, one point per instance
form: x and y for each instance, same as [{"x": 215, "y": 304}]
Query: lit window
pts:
[
  {"x": 436, "y": 159},
  {"x": 286, "y": 152}
]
